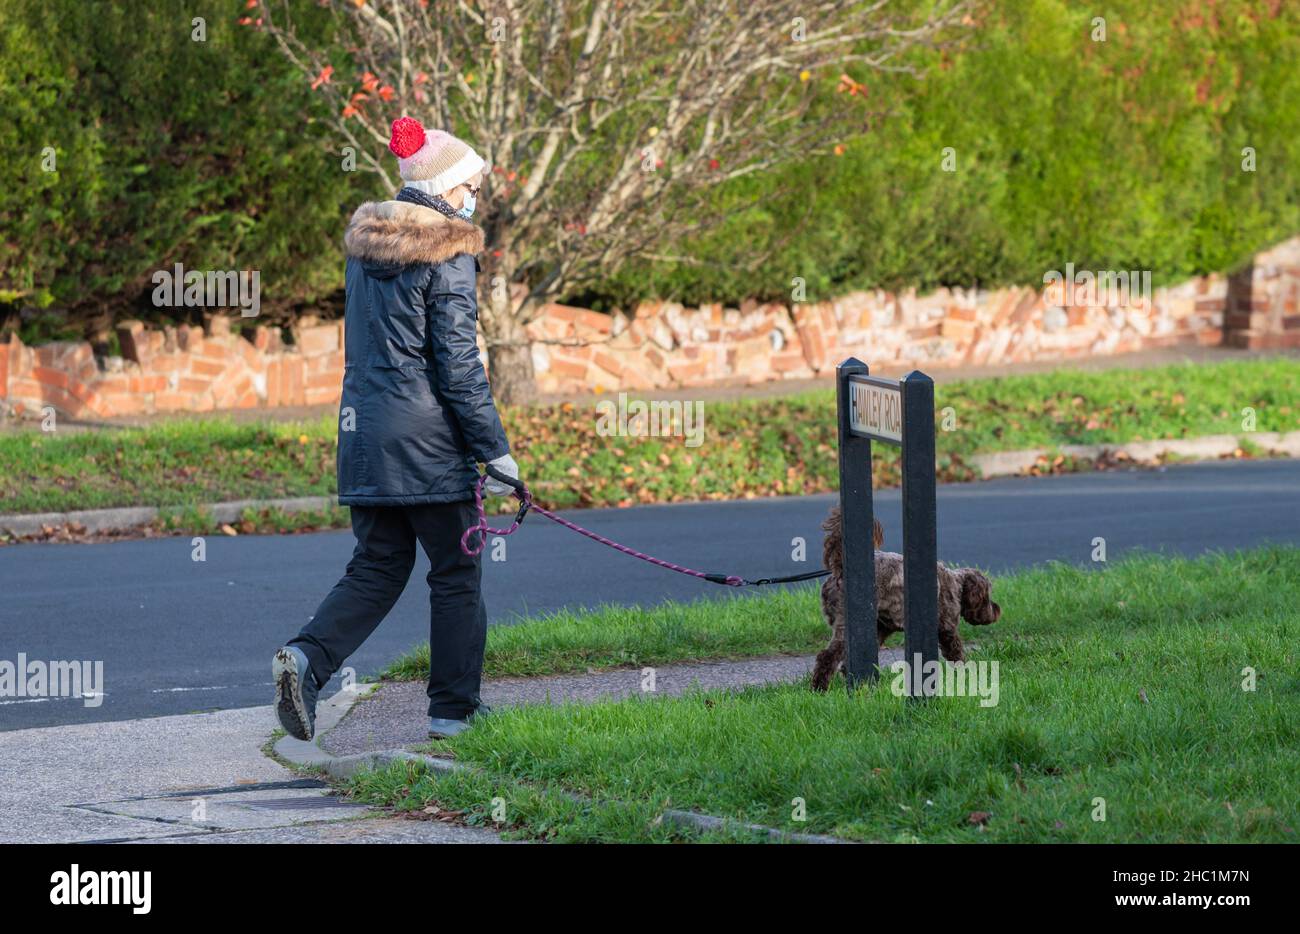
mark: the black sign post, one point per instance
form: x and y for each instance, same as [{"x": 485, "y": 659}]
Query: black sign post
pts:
[
  {"x": 897, "y": 412},
  {"x": 861, "y": 652},
  {"x": 920, "y": 548}
]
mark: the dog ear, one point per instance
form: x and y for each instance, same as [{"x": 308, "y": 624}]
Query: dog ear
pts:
[
  {"x": 877, "y": 533},
  {"x": 975, "y": 596},
  {"x": 974, "y": 588}
]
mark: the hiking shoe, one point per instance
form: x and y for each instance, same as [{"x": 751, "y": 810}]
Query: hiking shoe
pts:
[
  {"x": 445, "y": 729},
  {"x": 295, "y": 692}
]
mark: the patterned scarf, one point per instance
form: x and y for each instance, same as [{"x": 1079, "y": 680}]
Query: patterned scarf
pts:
[{"x": 415, "y": 196}]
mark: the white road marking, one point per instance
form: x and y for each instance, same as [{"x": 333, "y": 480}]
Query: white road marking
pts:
[{"x": 214, "y": 687}]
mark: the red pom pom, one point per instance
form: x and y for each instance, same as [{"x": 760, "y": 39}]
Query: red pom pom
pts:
[{"x": 407, "y": 137}]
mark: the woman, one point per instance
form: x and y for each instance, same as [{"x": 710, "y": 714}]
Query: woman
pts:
[{"x": 415, "y": 416}]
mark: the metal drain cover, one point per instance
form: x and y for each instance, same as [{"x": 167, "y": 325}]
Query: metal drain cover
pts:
[{"x": 213, "y": 809}]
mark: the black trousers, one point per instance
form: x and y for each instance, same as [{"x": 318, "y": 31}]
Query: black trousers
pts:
[{"x": 376, "y": 576}]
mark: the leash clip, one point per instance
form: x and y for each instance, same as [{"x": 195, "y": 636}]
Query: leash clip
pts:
[
  {"x": 525, "y": 504},
  {"x": 481, "y": 528},
  {"x": 521, "y": 491}
]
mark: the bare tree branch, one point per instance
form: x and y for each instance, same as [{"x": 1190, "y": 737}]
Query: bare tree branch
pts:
[{"x": 607, "y": 123}]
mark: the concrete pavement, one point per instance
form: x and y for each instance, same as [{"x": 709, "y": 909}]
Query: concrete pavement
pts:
[{"x": 197, "y": 778}]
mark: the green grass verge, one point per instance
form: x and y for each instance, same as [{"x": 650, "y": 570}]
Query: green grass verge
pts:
[
  {"x": 753, "y": 447},
  {"x": 198, "y": 519},
  {"x": 619, "y": 636},
  {"x": 1123, "y": 684},
  {"x": 174, "y": 463}
]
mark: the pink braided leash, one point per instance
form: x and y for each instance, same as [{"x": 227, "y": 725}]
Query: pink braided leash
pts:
[
  {"x": 526, "y": 503},
  {"x": 482, "y": 528}
]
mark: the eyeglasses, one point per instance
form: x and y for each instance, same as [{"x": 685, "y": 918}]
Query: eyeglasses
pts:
[{"x": 475, "y": 190}]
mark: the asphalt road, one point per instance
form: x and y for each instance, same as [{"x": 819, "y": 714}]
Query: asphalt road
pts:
[{"x": 177, "y": 636}]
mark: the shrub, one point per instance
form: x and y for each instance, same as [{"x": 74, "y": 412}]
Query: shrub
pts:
[
  {"x": 1122, "y": 154},
  {"x": 168, "y": 150}
]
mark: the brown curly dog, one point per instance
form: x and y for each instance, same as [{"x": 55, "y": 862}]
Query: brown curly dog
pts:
[{"x": 964, "y": 593}]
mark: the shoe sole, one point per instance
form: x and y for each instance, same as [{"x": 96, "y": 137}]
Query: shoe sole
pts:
[
  {"x": 437, "y": 734},
  {"x": 289, "y": 706}
]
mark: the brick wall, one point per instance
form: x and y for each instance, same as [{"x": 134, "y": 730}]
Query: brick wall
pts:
[
  {"x": 663, "y": 344},
  {"x": 181, "y": 369}
]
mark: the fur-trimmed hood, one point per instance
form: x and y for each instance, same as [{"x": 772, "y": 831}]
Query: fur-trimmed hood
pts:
[{"x": 402, "y": 233}]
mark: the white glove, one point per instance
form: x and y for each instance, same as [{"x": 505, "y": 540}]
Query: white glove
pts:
[{"x": 506, "y": 465}]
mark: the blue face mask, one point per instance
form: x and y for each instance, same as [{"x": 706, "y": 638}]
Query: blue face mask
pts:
[{"x": 467, "y": 209}]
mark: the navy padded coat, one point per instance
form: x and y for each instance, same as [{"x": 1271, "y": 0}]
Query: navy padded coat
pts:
[{"x": 417, "y": 411}]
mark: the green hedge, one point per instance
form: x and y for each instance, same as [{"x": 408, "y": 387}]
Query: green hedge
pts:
[
  {"x": 1123, "y": 154},
  {"x": 1117, "y": 155},
  {"x": 168, "y": 150}
]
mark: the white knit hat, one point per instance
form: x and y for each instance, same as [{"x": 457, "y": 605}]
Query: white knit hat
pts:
[{"x": 433, "y": 161}]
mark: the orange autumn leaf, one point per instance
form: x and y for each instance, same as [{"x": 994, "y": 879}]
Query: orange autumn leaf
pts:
[{"x": 851, "y": 86}]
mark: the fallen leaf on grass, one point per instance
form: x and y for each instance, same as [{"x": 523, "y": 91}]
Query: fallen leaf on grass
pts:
[{"x": 433, "y": 812}]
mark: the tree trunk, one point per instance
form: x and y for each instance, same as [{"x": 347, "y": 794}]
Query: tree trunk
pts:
[{"x": 510, "y": 354}]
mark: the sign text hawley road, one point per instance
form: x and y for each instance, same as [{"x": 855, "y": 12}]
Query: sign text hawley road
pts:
[{"x": 877, "y": 408}]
